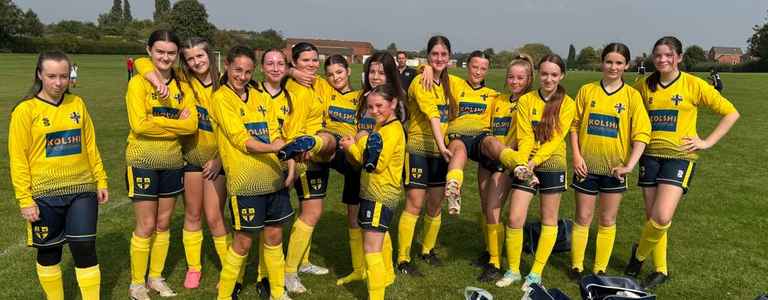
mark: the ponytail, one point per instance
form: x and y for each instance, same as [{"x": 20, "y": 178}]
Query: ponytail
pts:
[{"x": 550, "y": 117}]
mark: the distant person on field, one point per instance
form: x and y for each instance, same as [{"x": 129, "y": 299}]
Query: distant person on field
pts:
[
  {"x": 406, "y": 73},
  {"x": 714, "y": 76},
  {"x": 129, "y": 66},
  {"x": 58, "y": 177},
  {"x": 73, "y": 76}
]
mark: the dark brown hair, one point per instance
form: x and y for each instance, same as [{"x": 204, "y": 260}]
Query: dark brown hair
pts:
[
  {"x": 37, "y": 83},
  {"x": 444, "y": 79},
  {"x": 676, "y": 46}
]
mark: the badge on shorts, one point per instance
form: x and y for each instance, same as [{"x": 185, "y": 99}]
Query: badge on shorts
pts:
[
  {"x": 317, "y": 183},
  {"x": 416, "y": 173},
  {"x": 143, "y": 182},
  {"x": 248, "y": 214},
  {"x": 41, "y": 232}
]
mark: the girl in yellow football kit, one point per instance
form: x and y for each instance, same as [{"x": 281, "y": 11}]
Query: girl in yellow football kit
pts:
[
  {"x": 382, "y": 155},
  {"x": 542, "y": 120},
  {"x": 493, "y": 184},
  {"x": 608, "y": 135},
  {"x": 249, "y": 134},
  {"x": 427, "y": 159},
  {"x": 58, "y": 176},
  {"x": 203, "y": 174},
  {"x": 672, "y": 99},
  {"x": 155, "y": 162}
]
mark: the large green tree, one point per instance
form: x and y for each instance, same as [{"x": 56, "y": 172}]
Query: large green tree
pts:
[
  {"x": 127, "y": 16},
  {"x": 162, "y": 9},
  {"x": 116, "y": 13},
  {"x": 10, "y": 21},
  {"x": 571, "y": 61},
  {"x": 190, "y": 19},
  {"x": 588, "y": 58},
  {"x": 758, "y": 43},
  {"x": 692, "y": 56},
  {"x": 31, "y": 24},
  {"x": 535, "y": 50}
]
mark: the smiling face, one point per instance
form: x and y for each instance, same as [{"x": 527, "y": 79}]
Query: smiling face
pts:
[
  {"x": 239, "y": 72},
  {"x": 401, "y": 60},
  {"x": 376, "y": 75},
  {"x": 614, "y": 64},
  {"x": 518, "y": 79},
  {"x": 55, "y": 77},
  {"x": 550, "y": 76},
  {"x": 308, "y": 62},
  {"x": 477, "y": 68},
  {"x": 274, "y": 67},
  {"x": 666, "y": 59},
  {"x": 197, "y": 60},
  {"x": 379, "y": 108},
  {"x": 163, "y": 55},
  {"x": 338, "y": 76},
  {"x": 439, "y": 57}
]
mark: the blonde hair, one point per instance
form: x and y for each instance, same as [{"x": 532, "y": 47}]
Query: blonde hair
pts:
[{"x": 525, "y": 61}]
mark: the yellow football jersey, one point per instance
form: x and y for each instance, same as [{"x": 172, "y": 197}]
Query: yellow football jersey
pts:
[
  {"x": 673, "y": 110},
  {"x": 473, "y": 108},
  {"x": 154, "y": 139},
  {"x": 237, "y": 121},
  {"x": 52, "y": 150},
  {"x": 502, "y": 124},
  {"x": 305, "y": 116},
  {"x": 607, "y": 124},
  {"x": 424, "y": 105},
  {"x": 201, "y": 147},
  {"x": 340, "y": 113},
  {"x": 550, "y": 155},
  {"x": 384, "y": 184}
]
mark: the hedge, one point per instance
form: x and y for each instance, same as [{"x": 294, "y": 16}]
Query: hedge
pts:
[{"x": 73, "y": 45}]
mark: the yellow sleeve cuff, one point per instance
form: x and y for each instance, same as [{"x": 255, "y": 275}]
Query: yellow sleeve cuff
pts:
[
  {"x": 26, "y": 202},
  {"x": 355, "y": 152},
  {"x": 101, "y": 184}
]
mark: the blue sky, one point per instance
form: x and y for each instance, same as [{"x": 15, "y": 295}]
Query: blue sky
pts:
[{"x": 470, "y": 25}]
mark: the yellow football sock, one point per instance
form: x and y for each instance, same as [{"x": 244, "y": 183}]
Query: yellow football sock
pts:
[
  {"x": 431, "y": 229},
  {"x": 50, "y": 280},
  {"x": 89, "y": 280},
  {"x": 493, "y": 244},
  {"x": 377, "y": 277},
  {"x": 508, "y": 158},
  {"x": 547, "y": 241},
  {"x": 358, "y": 257},
  {"x": 652, "y": 233},
  {"x": 455, "y": 174},
  {"x": 301, "y": 235},
  {"x": 305, "y": 257},
  {"x": 604, "y": 247},
  {"x": 318, "y": 145},
  {"x": 514, "y": 241},
  {"x": 484, "y": 228},
  {"x": 221, "y": 243},
  {"x": 243, "y": 266},
  {"x": 579, "y": 240},
  {"x": 660, "y": 254},
  {"x": 193, "y": 243},
  {"x": 275, "y": 263},
  {"x": 139, "y": 258},
  {"x": 262, "y": 265},
  {"x": 405, "y": 229},
  {"x": 159, "y": 253},
  {"x": 230, "y": 267},
  {"x": 386, "y": 253},
  {"x": 500, "y": 238}
]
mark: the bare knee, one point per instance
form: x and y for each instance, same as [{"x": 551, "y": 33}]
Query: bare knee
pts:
[
  {"x": 584, "y": 216},
  {"x": 145, "y": 227}
]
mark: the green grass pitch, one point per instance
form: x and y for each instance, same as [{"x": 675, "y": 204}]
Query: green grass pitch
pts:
[{"x": 716, "y": 247}]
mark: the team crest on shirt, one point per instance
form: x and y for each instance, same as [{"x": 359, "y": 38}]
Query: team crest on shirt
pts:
[
  {"x": 416, "y": 173},
  {"x": 677, "y": 99},
  {"x": 262, "y": 110},
  {"x": 333, "y": 97},
  {"x": 242, "y": 112},
  {"x": 285, "y": 109},
  {"x": 316, "y": 183},
  {"x": 178, "y": 97},
  {"x": 650, "y": 100},
  {"x": 41, "y": 232},
  {"x": 143, "y": 182},
  {"x": 46, "y": 122},
  {"x": 462, "y": 94},
  {"x": 593, "y": 104},
  {"x": 75, "y": 117},
  {"x": 619, "y": 107},
  {"x": 248, "y": 214},
  {"x": 533, "y": 112},
  {"x": 484, "y": 96}
]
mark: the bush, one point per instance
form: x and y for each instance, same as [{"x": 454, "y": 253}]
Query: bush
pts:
[{"x": 74, "y": 45}]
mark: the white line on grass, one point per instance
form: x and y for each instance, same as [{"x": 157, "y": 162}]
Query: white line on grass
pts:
[{"x": 109, "y": 208}]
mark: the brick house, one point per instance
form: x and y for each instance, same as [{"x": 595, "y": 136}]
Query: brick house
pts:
[
  {"x": 725, "y": 55},
  {"x": 354, "y": 51}
]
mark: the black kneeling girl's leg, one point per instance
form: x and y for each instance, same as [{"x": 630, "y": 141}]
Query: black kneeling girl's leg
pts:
[
  {"x": 84, "y": 253},
  {"x": 49, "y": 256}
]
